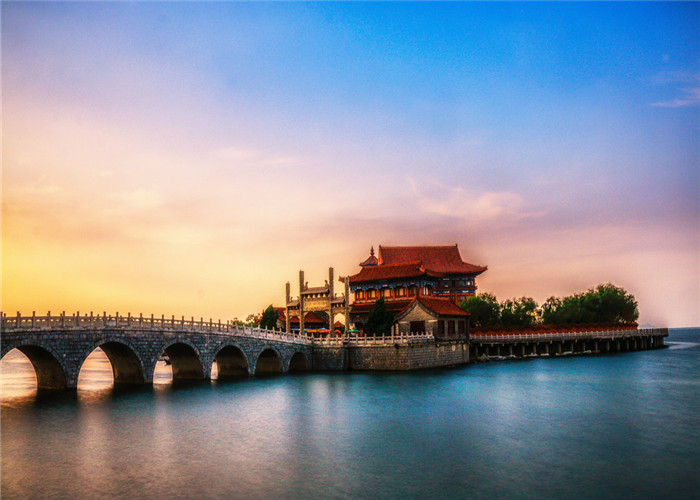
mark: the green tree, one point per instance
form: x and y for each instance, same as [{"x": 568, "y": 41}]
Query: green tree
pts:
[
  {"x": 484, "y": 310},
  {"x": 269, "y": 318},
  {"x": 380, "y": 320},
  {"x": 549, "y": 310},
  {"x": 518, "y": 312},
  {"x": 606, "y": 303}
]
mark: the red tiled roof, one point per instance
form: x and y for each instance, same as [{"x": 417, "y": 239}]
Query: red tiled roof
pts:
[
  {"x": 310, "y": 317},
  {"x": 395, "y": 306},
  {"x": 392, "y": 271},
  {"x": 369, "y": 261},
  {"x": 443, "y": 307},
  {"x": 440, "y": 259}
]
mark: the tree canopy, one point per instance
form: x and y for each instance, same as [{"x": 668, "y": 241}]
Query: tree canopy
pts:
[
  {"x": 606, "y": 303},
  {"x": 518, "y": 312},
  {"x": 269, "y": 318},
  {"x": 380, "y": 320},
  {"x": 484, "y": 310}
]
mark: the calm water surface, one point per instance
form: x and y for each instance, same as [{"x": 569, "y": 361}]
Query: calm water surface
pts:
[{"x": 612, "y": 426}]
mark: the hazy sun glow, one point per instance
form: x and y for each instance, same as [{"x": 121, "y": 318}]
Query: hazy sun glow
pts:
[{"x": 190, "y": 158}]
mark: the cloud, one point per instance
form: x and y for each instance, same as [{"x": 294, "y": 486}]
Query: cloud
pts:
[
  {"x": 679, "y": 76},
  {"x": 691, "y": 98},
  {"x": 455, "y": 201}
]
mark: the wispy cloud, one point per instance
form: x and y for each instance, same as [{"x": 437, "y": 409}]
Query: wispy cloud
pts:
[
  {"x": 690, "y": 94},
  {"x": 476, "y": 207},
  {"x": 691, "y": 98},
  {"x": 678, "y": 76}
]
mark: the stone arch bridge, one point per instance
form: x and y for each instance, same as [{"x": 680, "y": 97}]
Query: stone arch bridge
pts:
[{"x": 57, "y": 347}]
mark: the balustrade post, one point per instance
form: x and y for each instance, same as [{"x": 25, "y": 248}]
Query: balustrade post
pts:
[
  {"x": 33, "y": 319},
  {"x": 128, "y": 319},
  {"x": 63, "y": 318},
  {"x": 18, "y": 323}
]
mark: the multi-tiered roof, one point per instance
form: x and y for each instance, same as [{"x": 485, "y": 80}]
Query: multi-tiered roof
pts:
[{"x": 414, "y": 262}]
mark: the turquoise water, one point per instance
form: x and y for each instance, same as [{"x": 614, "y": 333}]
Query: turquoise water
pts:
[{"x": 610, "y": 426}]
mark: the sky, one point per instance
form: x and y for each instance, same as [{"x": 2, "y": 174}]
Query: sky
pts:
[{"x": 190, "y": 158}]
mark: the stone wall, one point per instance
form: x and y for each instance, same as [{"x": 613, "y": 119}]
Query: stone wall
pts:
[
  {"x": 402, "y": 357},
  {"x": 330, "y": 358}
]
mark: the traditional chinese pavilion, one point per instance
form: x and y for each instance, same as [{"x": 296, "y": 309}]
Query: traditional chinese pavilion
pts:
[{"x": 401, "y": 274}]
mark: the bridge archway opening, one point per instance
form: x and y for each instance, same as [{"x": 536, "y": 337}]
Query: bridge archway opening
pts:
[
  {"x": 299, "y": 363},
  {"x": 269, "y": 363},
  {"x": 18, "y": 375},
  {"x": 96, "y": 372},
  {"x": 185, "y": 362},
  {"x": 339, "y": 329},
  {"x": 231, "y": 362},
  {"x": 48, "y": 372}
]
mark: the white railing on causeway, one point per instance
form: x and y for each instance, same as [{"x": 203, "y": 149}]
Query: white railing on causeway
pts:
[
  {"x": 405, "y": 338},
  {"x": 141, "y": 322},
  {"x": 649, "y": 332}
]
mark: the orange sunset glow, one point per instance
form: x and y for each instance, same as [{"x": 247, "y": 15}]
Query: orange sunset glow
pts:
[{"x": 191, "y": 165}]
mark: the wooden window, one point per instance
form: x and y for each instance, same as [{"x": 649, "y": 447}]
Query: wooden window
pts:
[
  {"x": 412, "y": 291},
  {"x": 417, "y": 326},
  {"x": 400, "y": 292},
  {"x": 451, "y": 327},
  {"x": 441, "y": 327},
  {"x": 359, "y": 295},
  {"x": 386, "y": 293}
]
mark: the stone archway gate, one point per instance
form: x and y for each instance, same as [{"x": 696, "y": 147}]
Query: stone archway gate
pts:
[{"x": 57, "y": 346}]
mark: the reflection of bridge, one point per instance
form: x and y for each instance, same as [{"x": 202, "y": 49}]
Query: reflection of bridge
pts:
[{"x": 57, "y": 346}]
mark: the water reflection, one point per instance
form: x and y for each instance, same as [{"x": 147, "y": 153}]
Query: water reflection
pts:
[
  {"x": 18, "y": 385},
  {"x": 607, "y": 427}
]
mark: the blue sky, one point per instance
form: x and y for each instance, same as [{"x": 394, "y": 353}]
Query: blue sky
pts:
[{"x": 238, "y": 142}]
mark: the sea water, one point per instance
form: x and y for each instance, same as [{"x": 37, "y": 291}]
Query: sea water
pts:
[{"x": 605, "y": 426}]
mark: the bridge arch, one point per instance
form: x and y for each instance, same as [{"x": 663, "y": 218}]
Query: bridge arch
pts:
[
  {"x": 185, "y": 360},
  {"x": 299, "y": 362},
  {"x": 231, "y": 361},
  {"x": 50, "y": 372},
  {"x": 268, "y": 362},
  {"x": 127, "y": 365}
]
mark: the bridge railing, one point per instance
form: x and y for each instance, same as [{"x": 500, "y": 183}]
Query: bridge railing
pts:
[
  {"x": 141, "y": 322},
  {"x": 405, "y": 338},
  {"x": 647, "y": 332},
  {"x": 77, "y": 320}
]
